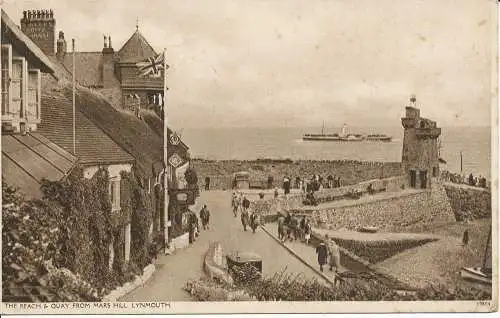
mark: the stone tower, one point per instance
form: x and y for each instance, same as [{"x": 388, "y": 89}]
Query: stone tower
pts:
[
  {"x": 39, "y": 26},
  {"x": 420, "y": 156}
]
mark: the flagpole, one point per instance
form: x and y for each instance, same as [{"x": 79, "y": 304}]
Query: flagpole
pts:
[
  {"x": 165, "y": 144},
  {"x": 74, "y": 126}
]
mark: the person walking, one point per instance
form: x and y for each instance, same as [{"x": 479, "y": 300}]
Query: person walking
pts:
[
  {"x": 192, "y": 224},
  {"x": 254, "y": 221},
  {"x": 307, "y": 232},
  {"x": 235, "y": 204},
  {"x": 207, "y": 183},
  {"x": 286, "y": 185},
  {"x": 205, "y": 217},
  {"x": 302, "y": 228},
  {"x": 294, "y": 224},
  {"x": 334, "y": 253},
  {"x": 322, "y": 252},
  {"x": 244, "y": 213},
  {"x": 281, "y": 228}
]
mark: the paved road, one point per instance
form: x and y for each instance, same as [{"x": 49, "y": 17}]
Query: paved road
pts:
[{"x": 174, "y": 270}]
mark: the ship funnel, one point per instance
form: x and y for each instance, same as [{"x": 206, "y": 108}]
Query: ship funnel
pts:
[{"x": 343, "y": 133}]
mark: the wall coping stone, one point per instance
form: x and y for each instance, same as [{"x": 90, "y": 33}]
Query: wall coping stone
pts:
[{"x": 130, "y": 286}]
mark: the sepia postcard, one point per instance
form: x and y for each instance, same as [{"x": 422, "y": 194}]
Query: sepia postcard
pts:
[{"x": 259, "y": 156}]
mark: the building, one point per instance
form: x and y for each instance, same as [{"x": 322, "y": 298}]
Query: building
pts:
[
  {"x": 113, "y": 73},
  {"x": 420, "y": 157},
  {"x": 28, "y": 157},
  {"x": 94, "y": 150},
  {"x": 114, "y": 76}
]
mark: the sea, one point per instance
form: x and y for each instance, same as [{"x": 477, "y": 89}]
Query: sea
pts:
[{"x": 474, "y": 143}]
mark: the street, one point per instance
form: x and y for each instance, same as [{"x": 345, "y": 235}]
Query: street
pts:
[{"x": 173, "y": 271}]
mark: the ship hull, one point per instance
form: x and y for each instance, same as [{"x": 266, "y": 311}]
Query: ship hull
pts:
[{"x": 327, "y": 138}]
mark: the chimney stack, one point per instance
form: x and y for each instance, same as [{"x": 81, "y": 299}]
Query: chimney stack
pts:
[
  {"x": 61, "y": 46},
  {"x": 39, "y": 26},
  {"x": 108, "y": 63}
]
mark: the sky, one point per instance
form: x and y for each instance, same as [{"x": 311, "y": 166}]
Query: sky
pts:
[{"x": 296, "y": 63}]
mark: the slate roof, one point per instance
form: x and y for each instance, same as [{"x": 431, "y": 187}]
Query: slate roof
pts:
[
  {"x": 88, "y": 67},
  {"x": 28, "y": 159},
  {"x": 136, "y": 49},
  {"x": 124, "y": 128},
  {"x": 93, "y": 146}
]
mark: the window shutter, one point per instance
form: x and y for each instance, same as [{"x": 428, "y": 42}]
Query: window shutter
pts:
[
  {"x": 18, "y": 87},
  {"x": 33, "y": 96},
  {"x": 6, "y": 77}
]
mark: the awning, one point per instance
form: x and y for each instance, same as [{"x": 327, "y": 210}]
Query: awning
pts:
[{"x": 27, "y": 160}]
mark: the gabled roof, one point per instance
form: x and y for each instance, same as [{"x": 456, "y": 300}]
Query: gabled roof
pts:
[
  {"x": 24, "y": 44},
  {"x": 28, "y": 159},
  {"x": 125, "y": 129},
  {"x": 88, "y": 67},
  {"x": 93, "y": 146},
  {"x": 136, "y": 49}
]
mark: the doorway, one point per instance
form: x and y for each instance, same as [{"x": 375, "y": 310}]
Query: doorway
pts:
[
  {"x": 413, "y": 178},
  {"x": 423, "y": 179}
]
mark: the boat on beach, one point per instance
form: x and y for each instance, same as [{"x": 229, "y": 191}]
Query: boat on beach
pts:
[{"x": 345, "y": 136}]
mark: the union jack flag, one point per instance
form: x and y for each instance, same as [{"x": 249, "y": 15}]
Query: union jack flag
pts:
[{"x": 152, "y": 66}]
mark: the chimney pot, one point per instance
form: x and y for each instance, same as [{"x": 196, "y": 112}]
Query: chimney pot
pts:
[
  {"x": 105, "y": 42},
  {"x": 109, "y": 39}
]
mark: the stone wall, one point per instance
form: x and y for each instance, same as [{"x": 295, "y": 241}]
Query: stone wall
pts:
[
  {"x": 468, "y": 203},
  {"x": 393, "y": 184},
  {"x": 350, "y": 171},
  {"x": 408, "y": 211}
]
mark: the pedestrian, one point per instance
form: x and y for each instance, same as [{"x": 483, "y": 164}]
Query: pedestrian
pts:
[
  {"x": 307, "y": 232},
  {"x": 254, "y": 221},
  {"x": 244, "y": 213},
  {"x": 465, "y": 238},
  {"x": 244, "y": 219},
  {"x": 294, "y": 224},
  {"x": 205, "y": 217},
  {"x": 192, "y": 224},
  {"x": 234, "y": 204},
  {"x": 246, "y": 204},
  {"x": 207, "y": 183},
  {"x": 276, "y": 193},
  {"x": 302, "y": 228},
  {"x": 286, "y": 185},
  {"x": 334, "y": 252},
  {"x": 322, "y": 252},
  {"x": 281, "y": 227}
]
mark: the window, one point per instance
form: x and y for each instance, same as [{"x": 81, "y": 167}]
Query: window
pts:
[
  {"x": 114, "y": 193},
  {"x": 33, "y": 96},
  {"x": 6, "y": 76},
  {"x": 18, "y": 87}
]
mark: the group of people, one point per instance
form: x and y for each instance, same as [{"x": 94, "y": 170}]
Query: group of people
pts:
[
  {"x": 249, "y": 217},
  {"x": 290, "y": 228},
  {"x": 471, "y": 180},
  {"x": 193, "y": 223},
  {"x": 315, "y": 183},
  {"x": 328, "y": 253}
]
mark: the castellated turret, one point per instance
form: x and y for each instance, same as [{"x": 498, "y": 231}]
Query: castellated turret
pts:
[
  {"x": 420, "y": 157},
  {"x": 39, "y": 26}
]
